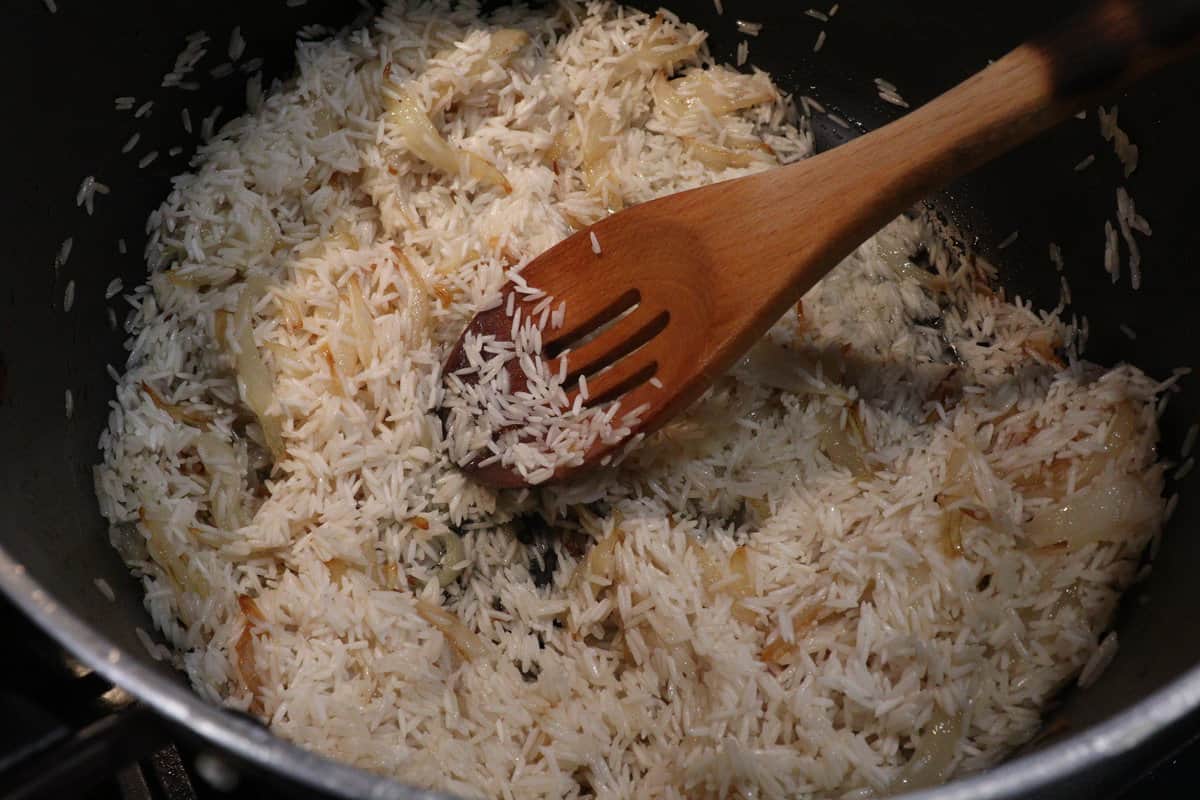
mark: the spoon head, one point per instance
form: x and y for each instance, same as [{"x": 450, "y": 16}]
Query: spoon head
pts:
[{"x": 605, "y": 329}]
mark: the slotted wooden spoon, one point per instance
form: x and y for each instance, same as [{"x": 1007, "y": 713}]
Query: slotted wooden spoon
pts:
[{"x": 706, "y": 272}]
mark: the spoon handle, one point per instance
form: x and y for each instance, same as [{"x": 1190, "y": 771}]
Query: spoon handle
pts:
[{"x": 846, "y": 194}]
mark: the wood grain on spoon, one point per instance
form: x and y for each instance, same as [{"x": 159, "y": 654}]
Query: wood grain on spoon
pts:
[{"x": 708, "y": 271}]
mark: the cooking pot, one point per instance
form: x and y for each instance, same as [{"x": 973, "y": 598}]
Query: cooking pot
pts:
[{"x": 67, "y": 69}]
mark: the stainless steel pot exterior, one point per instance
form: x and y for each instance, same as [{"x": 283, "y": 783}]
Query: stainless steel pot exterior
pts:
[{"x": 67, "y": 69}]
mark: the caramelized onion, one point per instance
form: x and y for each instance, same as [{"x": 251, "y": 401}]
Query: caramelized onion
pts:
[
  {"x": 254, "y": 379},
  {"x": 930, "y": 763},
  {"x": 715, "y": 157},
  {"x": 717, "y": 91},
  {"x": 1105, "y": 511},
  {"x": 424, "y": 142},
  {"x": 465, "y": 642}
]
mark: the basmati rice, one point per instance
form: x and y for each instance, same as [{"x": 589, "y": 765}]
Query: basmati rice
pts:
[
  {"x": 1099, "y": 661},
  {"x": 772, "y": 596},
  {"x": 64, "y": 253},
  {"x": 1189, "y": 440},
  {"x": 105, "y": 590},
  {"x": 237, "y": 44}
]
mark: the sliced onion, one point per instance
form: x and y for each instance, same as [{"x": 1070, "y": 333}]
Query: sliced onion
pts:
[
  {"x": 845, "y": 448},
  {"x": 600, "y": 564},
  {"x": 177, "y": 412},
  {"x": 598, "y": 129},
  {"x": 792, "y": 371},
  {"x": 718, "y": 91},
  {"x": 951, "y": 532},
  {"x": 779, "y": 651},
  {"x": 930, "y": 763},
  {"x": 454, "y": 554},
  {"x": 1105, "y": 511},
  {"x": 734, "y": 579},
  {"x": 424, "y": 142},
  {"x": 465, "y": 642},
  {"x": 742, "y": 585},
  {"x": 418, "y": 309},
  {"x": 221, "y": 462},
  {"x": 1043, "y": 344},
  {"x": 1121, "y": 433},
  {"x": 362, "y": 328},
  {"x": 244, "y": 661},
  {"x": 254, "y": 379},
  {"x": 660, "y": 50},
  {"x": 173, "y": 565},
  {"x": 714, "y": 157},
  {"x": 250, "y": 608}
]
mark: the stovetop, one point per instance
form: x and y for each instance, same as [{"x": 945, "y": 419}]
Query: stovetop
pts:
[{"x": 67, "y": 733}]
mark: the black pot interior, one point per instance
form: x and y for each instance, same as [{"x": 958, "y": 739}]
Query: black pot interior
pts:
[{"x": 62, "y": 126}]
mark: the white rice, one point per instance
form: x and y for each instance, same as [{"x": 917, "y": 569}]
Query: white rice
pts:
[
  {"x": 1056, "y": 257},
  {"x": 1128, "y": 331},
  {"x": 777, "y": 595},
  {"x": 1128, "y": 222},
  {"x": 51, "y": 6},
  {"x": 1127, "y": 152},
  {"x": 194, "y": 50},
  {"x": 69, "y": 403},
  {"x": 1008, "y": 240},
  {"x": 237, "y": 44},
  {"x": 105, "y": 590},
  {"x": 1189, "y": 440},
  {"x": 818, "y": 15},
  {"x": 113, "y": 289},
  {"x": 1185, "y": 469},
  {"x": 1112, "y": 256},
  {"x": 147, "y": 159},
  {"x": 68, "y": 296},
  {"x": 121, "y": 247},
  {"x": 64, "y": 253},
  {"x": 817, "y": 45},
  {"x": 595, "y": 243},
  {"x": 1099, "y": 661},
  {"x": 144, "y": 109},
  {"x": 1087, "y": 161},
  {"x": 749, "y": 28},
  {"x": 743, "y": 52},
  {"x": 130, "y": 143}
]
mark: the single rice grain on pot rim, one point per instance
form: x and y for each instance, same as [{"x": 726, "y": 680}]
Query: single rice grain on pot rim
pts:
[{"x": 779, "y": 594}]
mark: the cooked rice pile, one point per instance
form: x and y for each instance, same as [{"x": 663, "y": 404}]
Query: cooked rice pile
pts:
[{"x": 866, "y": 559}]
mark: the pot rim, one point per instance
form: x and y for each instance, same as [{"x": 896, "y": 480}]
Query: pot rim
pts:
[{"x": 1119, "y": 736}]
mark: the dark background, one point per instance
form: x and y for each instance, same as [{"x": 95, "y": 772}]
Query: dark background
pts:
[{"x": 66, "y": 69}]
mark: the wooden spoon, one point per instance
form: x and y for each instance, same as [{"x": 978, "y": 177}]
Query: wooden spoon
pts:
[{"x": 706, "y": 272}]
